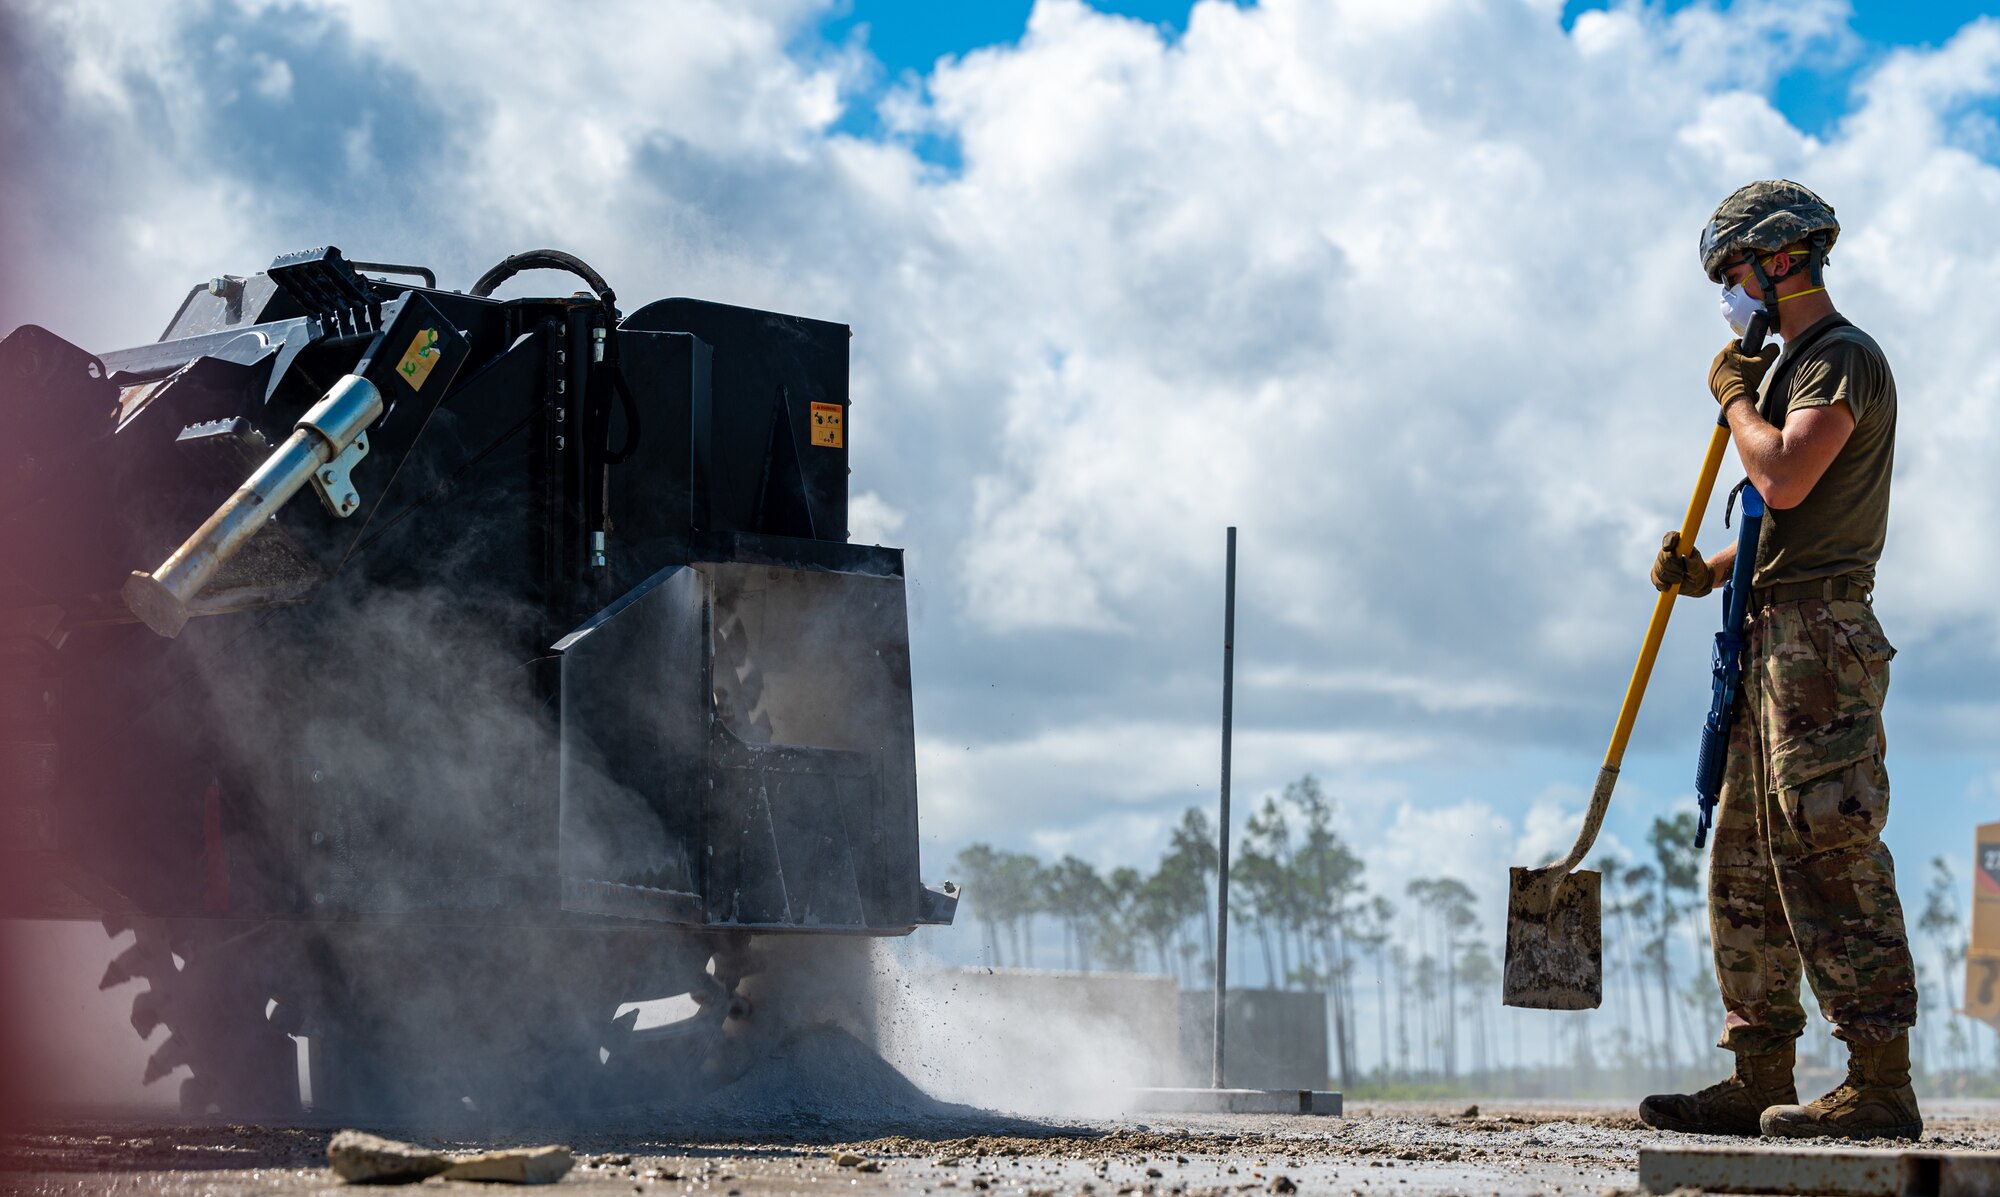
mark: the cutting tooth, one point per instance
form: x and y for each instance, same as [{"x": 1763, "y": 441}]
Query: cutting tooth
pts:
[
  {"x": 135, "y": 961},
  {"x": 172, "y": 1054},
  {"x": 288, "y": 1016},
  {"x": 146, "y": 1013},
  {"x": 623, "y": 1025}
]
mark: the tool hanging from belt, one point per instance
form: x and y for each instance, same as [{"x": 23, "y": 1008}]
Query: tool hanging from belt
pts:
[{"x": 1727, "y": 663}]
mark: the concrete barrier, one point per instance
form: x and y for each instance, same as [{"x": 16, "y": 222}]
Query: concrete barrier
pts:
[{"x": 1274, "y": 1038}]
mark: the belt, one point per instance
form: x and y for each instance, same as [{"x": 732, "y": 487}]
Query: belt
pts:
[{"x": 1850, "y": 587}]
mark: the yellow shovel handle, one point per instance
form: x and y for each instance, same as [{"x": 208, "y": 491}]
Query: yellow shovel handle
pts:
[
  {"x": 1538, "y": 891},
  {"x": 1635, "y": 690}
]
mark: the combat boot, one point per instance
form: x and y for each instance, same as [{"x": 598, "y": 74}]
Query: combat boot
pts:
[
  {"x": 1729, "y": 1107},
  {"x": 1874, "y": 1102}
]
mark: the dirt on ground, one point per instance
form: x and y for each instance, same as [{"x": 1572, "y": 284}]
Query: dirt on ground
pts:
[
  {"x": 819, "y": 1113},
  {"x": 1399, "y": 1148}
]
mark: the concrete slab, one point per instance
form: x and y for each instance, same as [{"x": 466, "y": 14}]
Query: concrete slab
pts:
[
  {"x": 1832, "y": 1171},
  {"x": 1233, "y": 1101},
  {"x": 1276, "y": 1039}
]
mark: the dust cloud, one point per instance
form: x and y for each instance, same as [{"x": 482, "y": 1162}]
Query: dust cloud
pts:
[{"x": 1040, "y": 1044}]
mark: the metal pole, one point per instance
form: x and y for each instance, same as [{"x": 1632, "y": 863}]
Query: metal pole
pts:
[{"x": 1222, "y": 858}]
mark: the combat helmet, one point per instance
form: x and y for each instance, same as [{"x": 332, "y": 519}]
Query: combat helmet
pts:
[{"x": 1764, "y": 217}]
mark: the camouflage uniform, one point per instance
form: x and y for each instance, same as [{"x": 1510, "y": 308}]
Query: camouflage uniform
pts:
[
  {"x": 1798, "y": 873},
  {"x": 1799, "y": 868}
]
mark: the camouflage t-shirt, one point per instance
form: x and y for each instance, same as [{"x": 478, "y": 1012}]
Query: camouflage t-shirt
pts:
[{"x": 1840, "y": 526}]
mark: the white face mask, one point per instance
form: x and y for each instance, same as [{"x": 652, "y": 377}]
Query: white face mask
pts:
[{"x": 1738, "y": 307}]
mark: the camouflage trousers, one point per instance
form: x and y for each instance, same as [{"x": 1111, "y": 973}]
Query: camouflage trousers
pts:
[{"x": 1799, "y": 869}]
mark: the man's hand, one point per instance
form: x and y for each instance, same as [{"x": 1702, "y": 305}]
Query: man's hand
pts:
[
  {"x": 1736, "y": 375},
  {"x": 1686, "y": 570}
]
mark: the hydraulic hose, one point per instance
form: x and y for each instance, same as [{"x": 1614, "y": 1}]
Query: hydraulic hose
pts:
[
  {"x": 630, "y": 403},
  {"x": 605, "y": 369},
  {"x": 547, "y": 259}
]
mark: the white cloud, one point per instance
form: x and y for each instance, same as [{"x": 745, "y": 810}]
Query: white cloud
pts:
[
  {"x": 1082, "y": 780},
  {"x": 1427, "y": 695},
  {"x": 1460, "y": 841},
  {"x": 274, "y": 78},
  {"x": 871, "y": 519}
]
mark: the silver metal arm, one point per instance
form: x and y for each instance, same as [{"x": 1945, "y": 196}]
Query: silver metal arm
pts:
[{"x": 323, "y": 445}]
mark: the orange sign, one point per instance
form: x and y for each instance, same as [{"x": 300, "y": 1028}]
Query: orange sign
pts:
[
  {"x": 827, "y": 421},
  {"x": 1982, "y": 961}
]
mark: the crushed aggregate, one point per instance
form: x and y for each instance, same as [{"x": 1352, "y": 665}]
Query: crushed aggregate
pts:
[
  {"x": 820, "y": 1112},
  {"x": 1400, "y": 1148}
]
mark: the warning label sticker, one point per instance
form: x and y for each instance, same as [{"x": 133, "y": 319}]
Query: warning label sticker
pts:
[
  {"x": 416, "y": 364},
  {"x": 826, "y": 425}
]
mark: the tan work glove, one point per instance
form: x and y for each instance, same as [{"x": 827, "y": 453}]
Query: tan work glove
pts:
[
  {"x": 1736, "y": 375},
  {"x": 1686, "y": 570}
]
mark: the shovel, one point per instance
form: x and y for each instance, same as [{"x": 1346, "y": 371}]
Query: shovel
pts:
[
  {"x": 1555, "y": 922},
  {"x": 1555, "y": 932}
]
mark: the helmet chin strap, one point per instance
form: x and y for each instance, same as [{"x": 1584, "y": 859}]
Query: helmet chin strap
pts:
[
  {"x": 1815, "y": 274},
  {"x": 1769, "y": 291},
  {"x": 1816, "y": 259}
]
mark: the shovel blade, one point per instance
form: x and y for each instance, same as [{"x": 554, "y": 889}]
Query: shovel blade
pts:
[{"x": 1555, "y": 949}]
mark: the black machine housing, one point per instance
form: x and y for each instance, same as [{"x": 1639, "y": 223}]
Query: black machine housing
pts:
[{"x": 592, "y": 647}]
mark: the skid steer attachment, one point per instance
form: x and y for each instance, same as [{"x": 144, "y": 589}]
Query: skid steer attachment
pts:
[{"x": 401, "y": 666}]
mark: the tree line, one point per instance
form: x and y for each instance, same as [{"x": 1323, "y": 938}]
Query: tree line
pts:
[
  {"x": 1300, "y": 891},
  {"x": 1412, "y": 977}
]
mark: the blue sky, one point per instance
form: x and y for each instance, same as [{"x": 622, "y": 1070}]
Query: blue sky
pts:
[
  {"x": 909, "y": 36},
  {"x": 1815, "y": 95}
]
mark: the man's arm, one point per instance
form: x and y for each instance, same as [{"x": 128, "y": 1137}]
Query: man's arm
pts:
[
  {"x": 1784, "y": 464},
  {"x": 1721, "y": 562}
]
